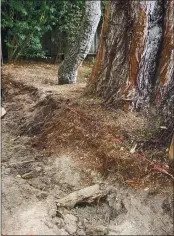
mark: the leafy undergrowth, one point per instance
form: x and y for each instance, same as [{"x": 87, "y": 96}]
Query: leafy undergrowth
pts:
[{"x": 99, "y": 138}]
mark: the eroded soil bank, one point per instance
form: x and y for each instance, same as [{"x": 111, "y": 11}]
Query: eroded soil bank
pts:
[{"x": 55, "y": 142}]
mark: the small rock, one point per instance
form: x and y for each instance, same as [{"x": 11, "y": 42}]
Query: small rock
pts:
[
  {"x": 28, "y": 175},
  {"x": 163, "y": 127},
  {"x": 3, "y": 112},
  {"x": 88, "y": 170},
  {"x": 146, "y": 189},
  {"x": 70, "y": 223},
  {"x": 71, "y": 229},
  {"x": 42, "y": 195},
  {"x": 50, "y": 225},
  {"x": 62, "y": 232},
  {"x": 97, "y": 230},
  {"x": 81, "y": 232},
  {"x": 111, "y": 233},
  {"x": 133, "y": 149},
  {"x": 52, "y": 213},
  {"x": 93, "y": 173},
  {"x": 113, "y": 229},
  {"x": 85, "y": 221},
  {"x": 70, "y": 218},
  {"x": 38, "y": 168},
  {"x": 58, "y": 221},
  {"x": 80, "y": 225}
]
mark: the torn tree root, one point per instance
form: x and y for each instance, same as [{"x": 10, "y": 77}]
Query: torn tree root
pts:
[{"x": 85, "y": 195}]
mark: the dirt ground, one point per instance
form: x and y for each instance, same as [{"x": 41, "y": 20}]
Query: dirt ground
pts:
[{"x": 56, "y": 141}]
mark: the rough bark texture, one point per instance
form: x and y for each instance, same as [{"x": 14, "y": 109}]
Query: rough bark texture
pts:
[
  {"x": 115, "y": 42},
  {"x": 67, "y": 73},
  {"x": 146, "y": 78},
  {"x": 97, "y": 69},
  {"x": 166, "y": 80},
  {"x": 137, "y": 48}
]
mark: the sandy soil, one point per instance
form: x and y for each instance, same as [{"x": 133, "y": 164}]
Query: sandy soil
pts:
[{"x": 49, "y": 152}]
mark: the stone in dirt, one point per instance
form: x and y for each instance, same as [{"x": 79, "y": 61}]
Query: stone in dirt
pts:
[
  {"x": 97, "y": 230},
  {"x": 3, "y": 112},
  {"x": 70, "y": 223}
]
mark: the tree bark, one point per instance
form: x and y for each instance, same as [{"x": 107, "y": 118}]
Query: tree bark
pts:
[
  {"x": 137, "y": 63},
  {"x": 67, "y": 73},
  {"x": 114, "y": 66},
  {"x": 146, "y": 78}
]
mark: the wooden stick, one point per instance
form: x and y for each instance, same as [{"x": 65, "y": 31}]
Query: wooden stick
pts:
[{"x": 88, "y": 195}]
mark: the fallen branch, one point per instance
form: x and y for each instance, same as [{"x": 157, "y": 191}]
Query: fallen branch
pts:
[{"x": 85, "y": 195}]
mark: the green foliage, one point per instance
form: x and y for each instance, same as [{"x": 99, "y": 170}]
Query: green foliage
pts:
[
  {"x": 69, "y": 17},
  {"x": 27, "y": 21}
]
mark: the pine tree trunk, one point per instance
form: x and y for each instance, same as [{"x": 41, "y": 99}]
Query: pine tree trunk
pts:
[
  {"x": 113, "y": 69},
  {"x": 147, "y": 75},
  {"x": 67, "y": 73},
  {"x": 137, "y": 51}
]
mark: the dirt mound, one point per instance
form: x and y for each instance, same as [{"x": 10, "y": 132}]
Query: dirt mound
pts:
[
  {"x": 11, "y": 88},
  {"x": 99, "y": 146},
  {"x": 55, "y": 144},
  {"x": 40, "y": 116},
  {"x": 59, "y": 125}
]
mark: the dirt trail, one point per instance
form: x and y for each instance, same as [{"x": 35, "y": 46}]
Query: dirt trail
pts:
[{"x": 42, "y": 162}]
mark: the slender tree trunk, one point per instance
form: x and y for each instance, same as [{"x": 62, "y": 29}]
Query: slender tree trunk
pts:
[{"x": 67, "y": 73}]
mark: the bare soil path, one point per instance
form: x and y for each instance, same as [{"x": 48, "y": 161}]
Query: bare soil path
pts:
[{"x": 55, "y": 141}]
